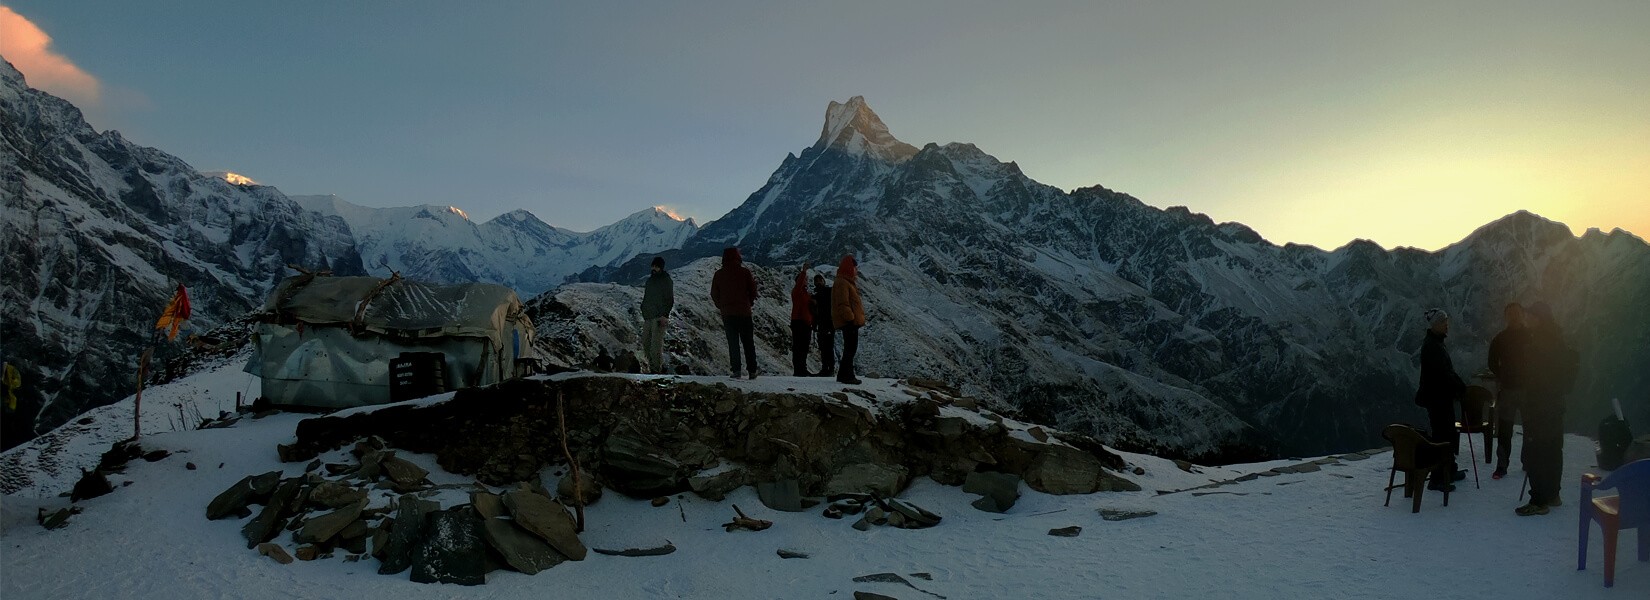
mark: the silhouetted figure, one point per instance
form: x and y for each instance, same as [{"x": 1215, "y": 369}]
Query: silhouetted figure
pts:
[
  {"x": 658, "y": 297},
  {"x": 1552, "y": 372},
  {"x": 1440, "y": 390},
  {"x": 848, "y": 315},
  {"x": 733, "y": 290},
  {"x": 604, "y": 361},
  {"x": 1509, "y": 355},
  {"x": 626, "y": 362},
  {"x": 802, "y": 322},
  {"x": 823, "y": 328}
]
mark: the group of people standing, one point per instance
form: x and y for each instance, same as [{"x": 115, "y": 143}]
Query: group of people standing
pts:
[
  {"x": 819, "y": 315},
  {"x": 814, "y": 316},
  {"x": 1534, "y": 370}
]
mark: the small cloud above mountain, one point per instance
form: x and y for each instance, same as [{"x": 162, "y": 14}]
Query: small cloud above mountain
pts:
[{"x": 29, "y": 49}]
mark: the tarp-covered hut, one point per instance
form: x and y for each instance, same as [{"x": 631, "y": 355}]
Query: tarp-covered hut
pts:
[{"x": 327, "y": 342}]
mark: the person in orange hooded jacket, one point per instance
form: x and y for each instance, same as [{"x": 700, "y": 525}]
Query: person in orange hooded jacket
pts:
[{"x": 848, "y": 314}]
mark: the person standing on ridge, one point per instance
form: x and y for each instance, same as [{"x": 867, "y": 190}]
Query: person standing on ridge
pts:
[
  {"x": 848, "y": 315},
  {"x": 823, "y": 327},
  {"x": 1552, "y": 372},
  {"x": 604, "y": 361},
  {"x": 1508, "y": 357},
  {"x": 1441, "y": 387},
  {"x": 733, "y": 290},
  {"x": 802, "y": 322},
  {"x": 658, "y": 297}
]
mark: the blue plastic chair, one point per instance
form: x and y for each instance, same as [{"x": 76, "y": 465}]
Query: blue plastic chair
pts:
[{"x": 1628, "y": 509}]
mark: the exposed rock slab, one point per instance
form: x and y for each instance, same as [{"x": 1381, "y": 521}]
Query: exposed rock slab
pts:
[{"x": 548, "y": 520}]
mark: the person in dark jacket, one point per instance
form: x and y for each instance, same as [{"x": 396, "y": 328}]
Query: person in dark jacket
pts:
[
  {"x": 733, "y": 290},
  {"x": 1508, "y": 355},
  {"x": 802, "y": 322},
  {"x": 823, "y": 328},
  {"x": 1552, "y": 372},
  {"x": 658, "y": 297},
  {"x": 1440, "y": 390},
  {"x": 848, "y": 315}
]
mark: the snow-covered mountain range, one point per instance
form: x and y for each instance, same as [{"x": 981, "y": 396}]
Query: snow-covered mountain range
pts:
[
  {"x": 442, "y": 244},
  {"x": 97, "y": 232},
  {"x": 1154, "y": 330}
]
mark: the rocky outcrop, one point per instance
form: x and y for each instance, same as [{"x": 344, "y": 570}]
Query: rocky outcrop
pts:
[{"x": 714, "y": 438}]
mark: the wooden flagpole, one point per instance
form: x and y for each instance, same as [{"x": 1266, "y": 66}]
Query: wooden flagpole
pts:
[{"x": 137, "y": 403}]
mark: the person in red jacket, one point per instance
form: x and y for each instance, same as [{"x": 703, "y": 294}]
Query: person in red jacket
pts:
[
  {"x": 733, "y": 290},
  {"x": 802, "y": 322}
]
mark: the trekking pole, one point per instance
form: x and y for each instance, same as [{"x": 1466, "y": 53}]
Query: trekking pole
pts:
[
  {"x": 1473, "y": 450},
  {"x": 1524, "y": 486}
]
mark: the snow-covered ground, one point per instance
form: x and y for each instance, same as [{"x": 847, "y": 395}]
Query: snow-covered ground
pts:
[{"x": 1311, "y": 535}]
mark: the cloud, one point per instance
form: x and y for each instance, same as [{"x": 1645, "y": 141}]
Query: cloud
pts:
[{"x": 28, "y": 48}]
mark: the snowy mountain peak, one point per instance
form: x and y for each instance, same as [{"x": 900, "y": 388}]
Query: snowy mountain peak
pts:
[
  {"x": 231, "y": 177},
  {"x": 7, "y": 71},
  {"x": 853, "y": 128}
]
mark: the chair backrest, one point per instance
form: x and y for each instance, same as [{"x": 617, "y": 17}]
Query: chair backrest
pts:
[
  {"x": 1632, "y": 483},
  {"x": 1475, "y": 408},
  {"x": 1405, "y": 444}
]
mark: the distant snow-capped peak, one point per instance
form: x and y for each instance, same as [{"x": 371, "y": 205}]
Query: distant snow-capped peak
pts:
[
  {"x": 517, "y": 248},
  {"x": 853, "y": 128}
]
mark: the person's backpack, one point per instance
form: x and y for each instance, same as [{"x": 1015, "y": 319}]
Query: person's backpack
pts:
[{"x": 1614, "y": 436}]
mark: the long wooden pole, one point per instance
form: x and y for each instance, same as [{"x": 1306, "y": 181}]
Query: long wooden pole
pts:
[
  {"x": 573, "y": 465},
  {"x": 137, "y": 403}
]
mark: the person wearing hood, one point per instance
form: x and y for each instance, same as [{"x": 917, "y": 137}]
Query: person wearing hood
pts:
[
  {"x": 848, "y": 315},
  {"x": 823, "y": 327},
  {"x": 1440, "y": 390},
  {"x": 1552, "y": 372},
  {"x": 733, "y": 290},
  {"x": 802, "y": 322},
  {"x": 658, "y": 297}
]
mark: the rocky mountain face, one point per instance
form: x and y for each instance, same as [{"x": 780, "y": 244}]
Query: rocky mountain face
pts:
[
  {"x": 442, "y": 244},
  {"x": 1153, "y": 330},
  {"x": 97, "y": 232}
]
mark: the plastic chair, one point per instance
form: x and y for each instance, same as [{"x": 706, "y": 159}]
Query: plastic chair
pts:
[
  {"x": 1415, "y": 456},
  {"x": 1475, "y": 412},
  {"x": 1628, "y": 509}
]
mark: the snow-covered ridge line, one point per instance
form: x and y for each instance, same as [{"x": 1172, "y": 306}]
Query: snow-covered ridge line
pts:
[{"x": 516, "y": 249}]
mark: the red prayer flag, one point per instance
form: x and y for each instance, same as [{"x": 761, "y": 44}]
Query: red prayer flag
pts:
[{"x": 177, "y": 311}]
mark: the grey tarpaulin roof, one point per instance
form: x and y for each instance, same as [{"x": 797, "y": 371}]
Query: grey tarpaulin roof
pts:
[{"x": 400, "y": 307}]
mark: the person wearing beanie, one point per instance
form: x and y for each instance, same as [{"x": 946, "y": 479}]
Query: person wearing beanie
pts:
[
  {"x": 658, "y": 297},
  {"x": 1440, "y": 390},
  {"x": 848, "y": 315},
  {"x": 1552, "y": 372},
  {"x": 733, "y": 290},
  {"x": 1509, "y": 356}
]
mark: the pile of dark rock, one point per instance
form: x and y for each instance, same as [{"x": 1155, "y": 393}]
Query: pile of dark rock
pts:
[
  {"x": 650, "y": 438},
  {"x": 523, "y": 529},
  {"x": 854, "y": 450}
]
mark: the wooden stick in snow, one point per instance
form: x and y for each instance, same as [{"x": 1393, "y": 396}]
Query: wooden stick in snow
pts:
[{"x": 573, "y": 465}]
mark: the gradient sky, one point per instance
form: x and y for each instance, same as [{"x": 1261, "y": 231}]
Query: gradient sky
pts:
[{"x": 1408, "y": 123}]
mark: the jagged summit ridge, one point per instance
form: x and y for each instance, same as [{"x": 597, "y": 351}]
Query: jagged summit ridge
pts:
[{"x": 854, "y": 128}]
